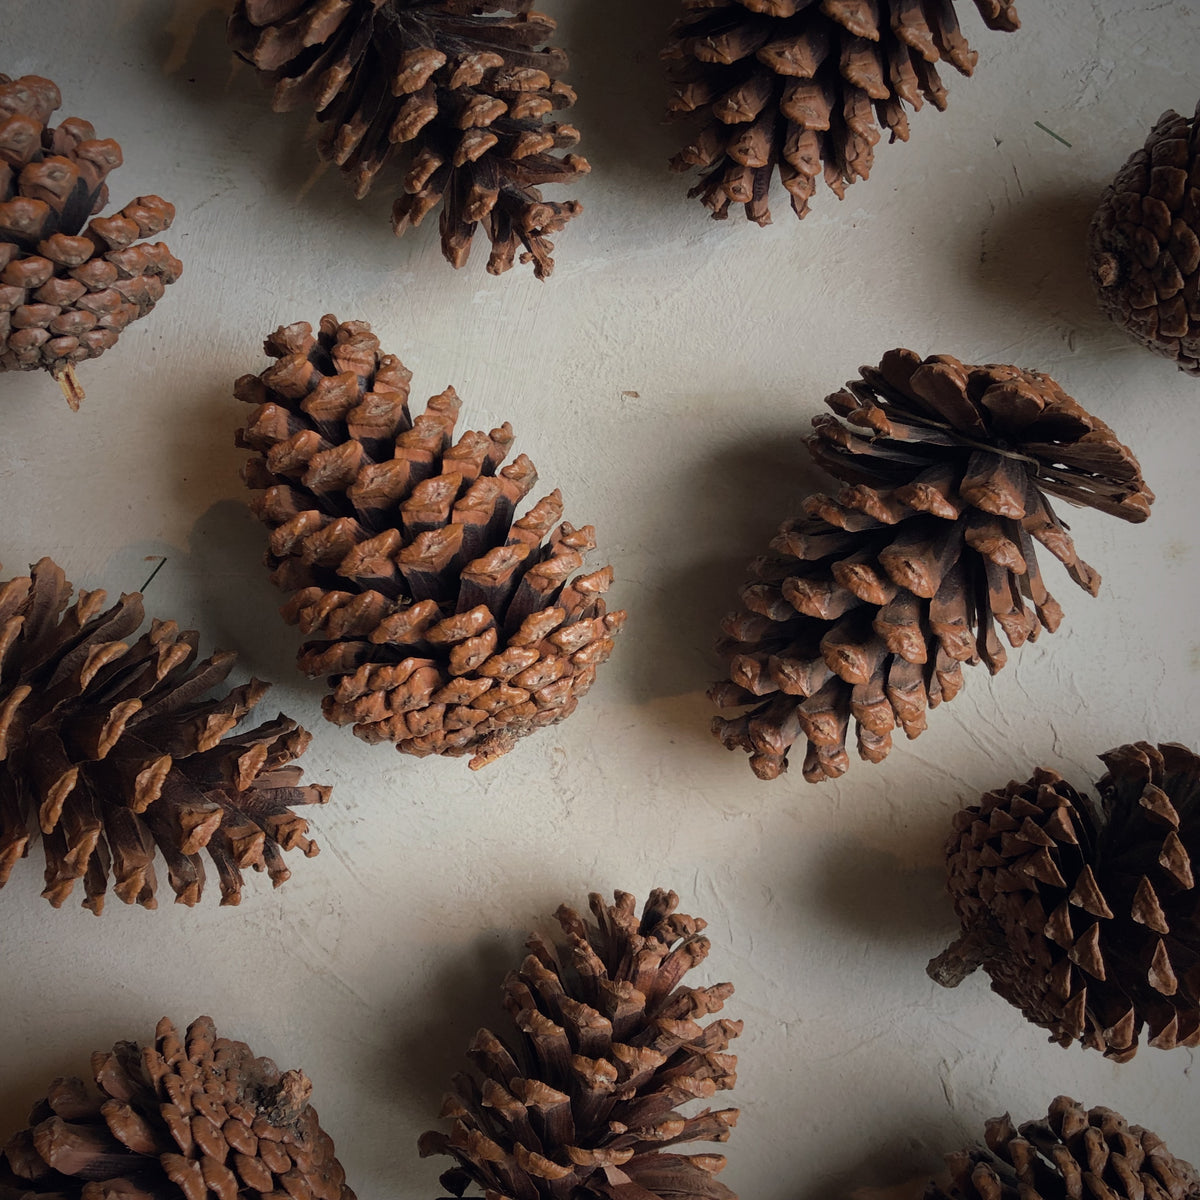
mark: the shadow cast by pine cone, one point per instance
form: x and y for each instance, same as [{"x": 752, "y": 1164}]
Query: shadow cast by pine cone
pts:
[
  {"x": 622, "y": 86},
  {"x": 872, "y": 894},
  {"x": 736, "y": 500},
  {"x": 898, "y": 1167},
  {"x": 1033, "y": 257},
  {"x": 460, "y": 997},
  {"x": 191, "y": 44}
]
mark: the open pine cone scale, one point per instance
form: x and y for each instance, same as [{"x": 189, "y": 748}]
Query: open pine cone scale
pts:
[
  {"x": 584, "y": 1101},
  {"x": 446, "y": 625},
  {"x": 112, "y": 748},
  {"x": 465, "y": 96},
  {"x": 870, "y": 603},
  {"x": 804, "y": 87}
]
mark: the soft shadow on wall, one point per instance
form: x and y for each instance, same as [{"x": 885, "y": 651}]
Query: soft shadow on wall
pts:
[
  {"x": 693, "y": 558},
  {"x": 191, "y": 46}
]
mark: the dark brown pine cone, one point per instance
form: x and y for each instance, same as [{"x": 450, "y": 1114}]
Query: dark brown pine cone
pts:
[
  {"x": 460, "y": 94},
  {"x": 580, "y": 1096},
  {"x": 870, "y": 603},
  {"x": 1073, "y": 1153},
  {"x": 66, "y": 292},
  {"x": 185, "y": 1119},
  {"x": 1086, "y": 917},
  {"x": 1144, "y": 245},
  {"x": 803, "y": 87},
  {"x": 112, "y": 747},
  {"x": 445, "y": 626}
]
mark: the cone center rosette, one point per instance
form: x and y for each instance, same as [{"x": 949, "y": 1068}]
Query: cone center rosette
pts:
[
  {"x": 869, "y": 604},
  {"x": 1085, "y": 916},
  {"x": 446, "y": 623}
]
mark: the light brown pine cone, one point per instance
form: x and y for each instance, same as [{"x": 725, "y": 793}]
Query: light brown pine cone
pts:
[
  {"x": 191, "y": 1118},
  {"x": 66, "y": 291}
]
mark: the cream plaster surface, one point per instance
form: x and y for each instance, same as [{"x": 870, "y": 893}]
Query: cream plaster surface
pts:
[{"x": 664, "y": 378}]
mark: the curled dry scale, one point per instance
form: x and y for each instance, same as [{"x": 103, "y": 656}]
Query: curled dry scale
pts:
[
  {"x": 870, "y": 603},
  {"x": 804, "y": 87},
  {"x": 67, "y": 291},
  {"x": 1086, "y": 915},
  {"x": 112, "y": 747},
  {"x": 1145, "y": 243},
  {"x": 580, "y": 1094},
  {"x": 446, "y": 626},
  {"x": 457, "y": 94},
  {"x": 187, "y": 1118},
  {"x": 1072, "y": 1153}
]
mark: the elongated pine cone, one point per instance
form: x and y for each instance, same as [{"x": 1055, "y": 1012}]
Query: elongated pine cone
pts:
[
  {"x": 804, "y": 87},
  {"x": 445, "y": 626},
  {"x": 184, "y": 1119},
  {"x": 66, "y": 292},
  {"x": 1074, "y": 1152},
  {"x": 1086, "y": 917},
  {"x": 460, "y": 94},
  {"x": 580, "y": 1096},
  {"x": 869, "y": 605},
  {"x": 1144, "y": 244},
  {"x": 111, "y": 747}
]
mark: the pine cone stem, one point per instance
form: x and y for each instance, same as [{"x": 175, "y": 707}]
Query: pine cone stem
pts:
[
  {"x": 963, "y": 957},
  {"x": 65, "y": 377}
]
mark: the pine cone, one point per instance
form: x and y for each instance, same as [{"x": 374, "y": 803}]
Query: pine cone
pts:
[
  {"x": 112, "y": 748},
  {"x": 457, "y": 92},
  {"x": 445, "y": 626},
  {"x": 1086, "y": 919},
  {"x": 1144, "y": 244},
  {"x": 797, "y": 86},
  {"x": 1074, "y": 1152},
  {"x": 581, "y": 1097},
  {"x": 65, "y": 295},
  {"x": 871, "y": 602},
  {"x": 180, "y": 1120}
]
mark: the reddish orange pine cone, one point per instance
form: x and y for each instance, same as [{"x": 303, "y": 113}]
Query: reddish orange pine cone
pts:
[
  {"x": 445, "y": 623},
  {"x": 66, "y": 291}
]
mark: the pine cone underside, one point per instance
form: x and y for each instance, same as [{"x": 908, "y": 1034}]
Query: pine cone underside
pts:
[
  {"x": 1073, "y": 1153},
  {"x": 66, "y": 292},
  {"x": 580, "y": 1098},
  {"x": 459, "y": 94},
  {"x": 445, "y": 626},
  {"x": 1144, "y": 243},
  {"x": 870, "y": 603},
  {"x": 110, "y": 748},
  {"x": 191, "y": 1118},
  {"x": 1085, "y": 916},
  {"x": 804, "y": 87}
]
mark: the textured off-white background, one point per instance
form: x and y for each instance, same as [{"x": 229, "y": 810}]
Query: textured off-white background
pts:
[{"x": 663, "y": 379}]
